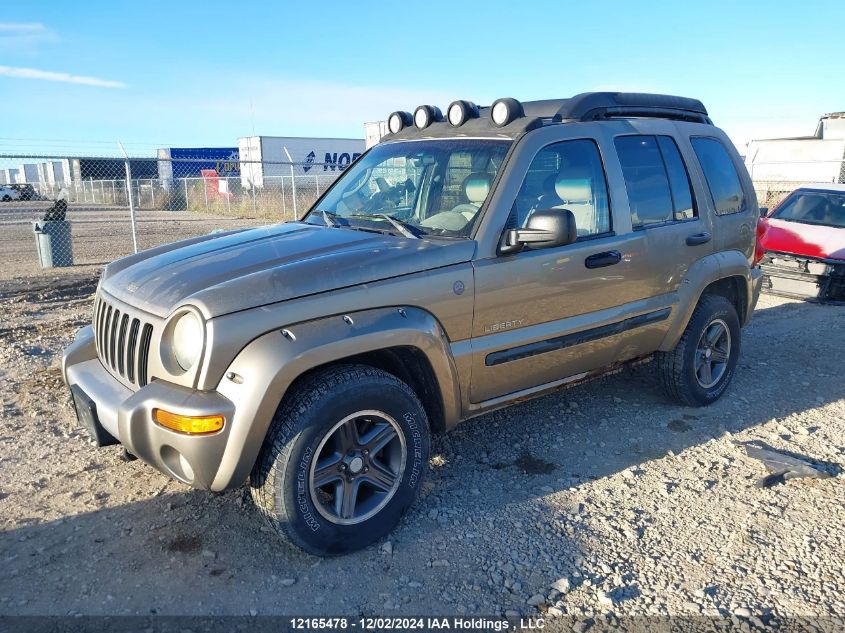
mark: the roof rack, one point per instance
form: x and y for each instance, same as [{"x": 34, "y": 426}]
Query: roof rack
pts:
[{"x": 593, "y": 106}]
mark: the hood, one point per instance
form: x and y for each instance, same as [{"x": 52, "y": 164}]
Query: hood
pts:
[
  {"x": 227, "y": 272},
  {"x": 810, "y": 240}
]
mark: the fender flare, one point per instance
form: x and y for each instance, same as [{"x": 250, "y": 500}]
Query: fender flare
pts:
[
  {"x": 700, "y": 275},
  {"x": 735, "y": 264},
  {"x": 261, "y": 374}
]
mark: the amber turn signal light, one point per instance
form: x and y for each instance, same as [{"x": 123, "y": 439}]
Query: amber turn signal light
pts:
[{"x": 190, "y": 424}]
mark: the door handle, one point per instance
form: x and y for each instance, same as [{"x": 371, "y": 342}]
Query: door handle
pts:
[
  {"x": 698, "y": 239},
  {"x": 608, "y": 258}
]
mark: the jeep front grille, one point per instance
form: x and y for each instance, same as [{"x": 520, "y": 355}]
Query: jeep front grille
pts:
[{"x": 123, "y": 341}]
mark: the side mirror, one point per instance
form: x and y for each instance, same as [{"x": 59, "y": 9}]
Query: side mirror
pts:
[
  {"x": 764, "y": 211},
  {"x": 547, "y": 228}
]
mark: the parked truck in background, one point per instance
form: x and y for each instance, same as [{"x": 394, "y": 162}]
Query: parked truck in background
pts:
[{"x": 265, "y": 159}]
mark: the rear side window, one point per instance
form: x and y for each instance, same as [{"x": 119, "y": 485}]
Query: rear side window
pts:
[
  {"x": 721, "y": 176},
  {"x": 646, "y": 179},
  {"x": 656, "y": 180},
  {"x": 682, "y": 201}
]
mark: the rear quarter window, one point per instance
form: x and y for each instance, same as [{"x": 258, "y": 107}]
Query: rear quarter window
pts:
[{"x": 720, "y": 174}]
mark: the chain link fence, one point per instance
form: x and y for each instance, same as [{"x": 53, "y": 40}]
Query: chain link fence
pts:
[
  {"x": 771, "y": 185},
  {"x": 61, "y": 211},
  {"x": 770, "y": 193}
]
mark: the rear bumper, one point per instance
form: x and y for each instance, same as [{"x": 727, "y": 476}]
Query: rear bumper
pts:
[
  {"x": 127, "y": 416},
  {"x": 805, "y": 278},
  {"x": 756, "y": 288}
]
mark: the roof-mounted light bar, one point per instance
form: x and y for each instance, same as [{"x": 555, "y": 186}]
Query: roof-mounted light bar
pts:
[
  {"x": 425, "y": 115},
  {"x": 503, "y": 111},
  {"x": 459, "y": 112},
  {"x": 398, "y": 121},
  {"x": 588, "y": 106}
]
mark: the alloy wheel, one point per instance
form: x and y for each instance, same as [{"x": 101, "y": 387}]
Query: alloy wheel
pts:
[
  {"x": 357, "y": 467},
  {"x": 712, "y": 354}
]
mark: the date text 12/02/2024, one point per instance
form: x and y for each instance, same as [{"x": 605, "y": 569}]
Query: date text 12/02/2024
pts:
[{"x": 455, "y": 623}]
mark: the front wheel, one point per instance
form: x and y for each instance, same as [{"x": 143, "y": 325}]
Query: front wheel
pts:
[
  {"x": 700, "y": 368},
  {"x": 7, "y": 198},
  {"x": 344, "y": 459}
]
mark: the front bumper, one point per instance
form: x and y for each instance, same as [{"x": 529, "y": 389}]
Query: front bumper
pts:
[
  {"x": 127, "y": 416},
  {"x": 805, "y": 278}
]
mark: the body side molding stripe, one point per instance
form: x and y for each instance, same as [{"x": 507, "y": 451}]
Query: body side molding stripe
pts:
[{"x": 577, "y": 338}]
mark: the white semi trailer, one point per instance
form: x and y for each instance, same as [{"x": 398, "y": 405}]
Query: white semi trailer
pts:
[
  {"x": 8, "y": 176},
  {"x": 807, "y": 159},
  {"x": 374, "y": 131},
  {"x": 266, "y": 160},
  {"x": 28, "y": 173}
]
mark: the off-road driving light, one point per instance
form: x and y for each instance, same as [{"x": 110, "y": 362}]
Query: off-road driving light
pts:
[
  {"x": 186, "y": 339},
  {"x": 190, "y": 424},
  {"x": 505, "y": 110},
  {"x": 425, "y": 115},
  {"x": 459, "y": 112},
  {"x": 398, "y": 121}
]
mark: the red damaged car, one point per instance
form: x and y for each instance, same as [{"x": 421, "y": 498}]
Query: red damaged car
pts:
[{"x": 803, "y": 240}]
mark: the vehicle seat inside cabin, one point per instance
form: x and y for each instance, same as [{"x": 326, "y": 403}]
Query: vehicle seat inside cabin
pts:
[
  {"x": 476, "y": 187},
  {"x": 573, "y": 191}
]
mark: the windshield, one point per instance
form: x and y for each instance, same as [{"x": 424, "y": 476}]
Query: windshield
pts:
[
  {"x": 814, "y": 207},
  {"x": 414, "y": 188}
]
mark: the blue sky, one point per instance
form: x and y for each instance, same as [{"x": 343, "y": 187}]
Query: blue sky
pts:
[{"x": 80, "y": 76}]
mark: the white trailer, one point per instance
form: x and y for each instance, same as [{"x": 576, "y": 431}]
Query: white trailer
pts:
[
  {"x": 28, "y": 173},
  {"x": 43, "y": 169},
  {"x": 8, "y": 176},
  {"x": 60, "y": 172},
  {"x": 374, "y": 131},
  {"x": 266, "y": 160},
  {"x": 818, "y": 158}
]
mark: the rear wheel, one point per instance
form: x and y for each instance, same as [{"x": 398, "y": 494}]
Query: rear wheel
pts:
[
  {"x": 701, "y": 366},
  {"x": 344, "y": 459}
]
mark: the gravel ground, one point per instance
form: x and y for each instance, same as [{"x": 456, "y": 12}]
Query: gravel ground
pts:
[{"x": 597, "y": 502}]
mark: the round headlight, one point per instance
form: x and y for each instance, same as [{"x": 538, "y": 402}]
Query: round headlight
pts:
[
  {"x": 505, "y": 110},
  {"x": 186, "y": 340},
  {"x": 460, "y": 111},
  {"x": 425, "y": 115},
  {"x": 398, "y": 121}
]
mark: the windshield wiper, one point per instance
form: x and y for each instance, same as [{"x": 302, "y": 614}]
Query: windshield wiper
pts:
[
  {"x": 404, "y": 228},
  {"x": 328, "y": 218}
]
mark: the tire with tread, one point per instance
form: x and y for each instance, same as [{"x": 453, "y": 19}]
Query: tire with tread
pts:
[
  {"x": 278, "y": 482},
  {"x": 676, "y": 368}
]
